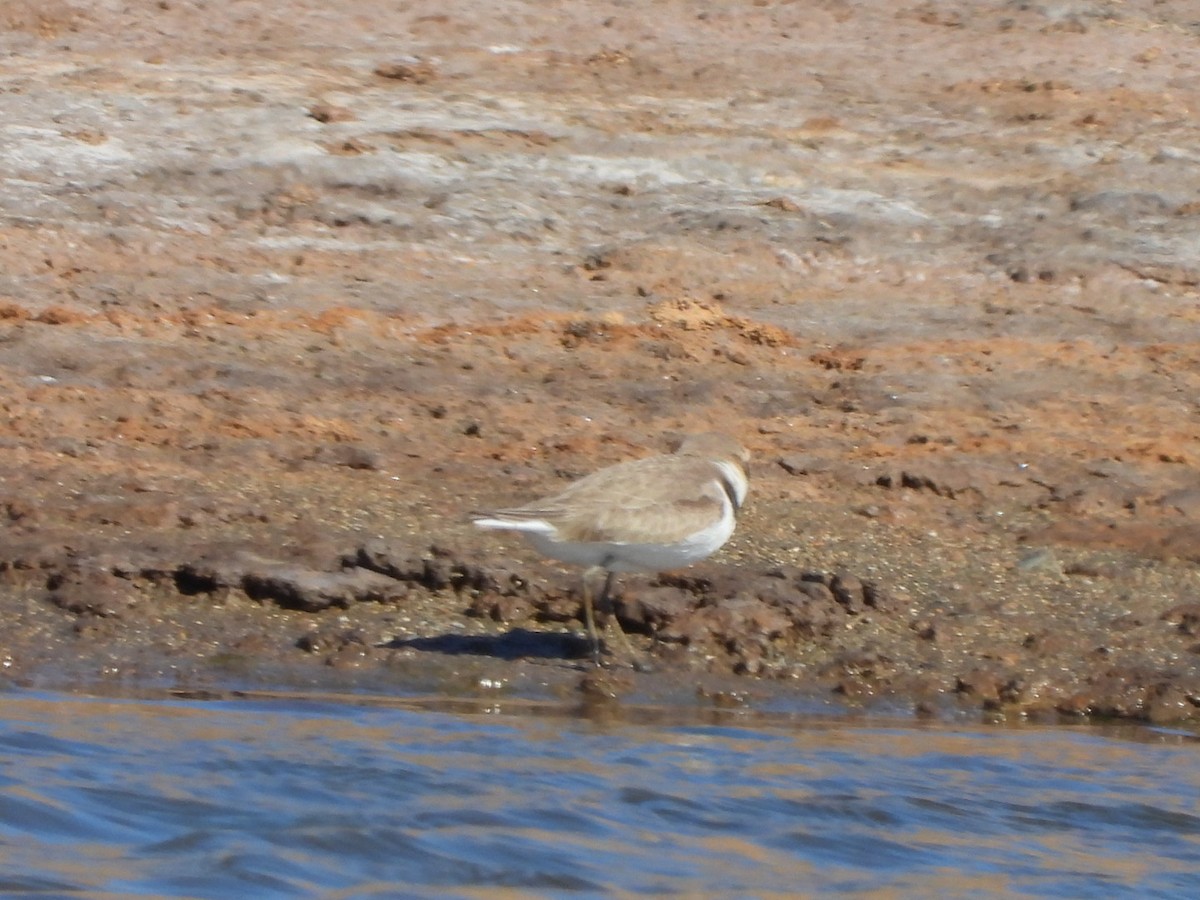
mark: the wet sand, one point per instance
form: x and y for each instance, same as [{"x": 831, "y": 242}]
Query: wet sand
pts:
[{"x": 286, "y": 291}]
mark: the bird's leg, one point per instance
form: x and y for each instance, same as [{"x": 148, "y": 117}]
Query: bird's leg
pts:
[
  {"x": 589, "y": 616},
  {"x": 606, "y": 605}
]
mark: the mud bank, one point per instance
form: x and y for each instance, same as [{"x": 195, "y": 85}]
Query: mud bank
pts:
[{"x": 286, "y": 291}]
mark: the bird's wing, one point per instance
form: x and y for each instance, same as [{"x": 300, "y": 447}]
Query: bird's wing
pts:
[{"x": 654, "y": 500}]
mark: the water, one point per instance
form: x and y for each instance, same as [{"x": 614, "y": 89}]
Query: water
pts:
[{"x": 289, "y": 797}]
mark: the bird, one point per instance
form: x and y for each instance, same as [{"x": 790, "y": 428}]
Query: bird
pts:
[{"x": 644, "y": 515}]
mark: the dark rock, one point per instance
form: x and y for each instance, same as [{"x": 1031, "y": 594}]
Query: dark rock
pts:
[
  {"x": 747, "y": 612},
  {"x": 859, "y": 664},
  {"x": 412, "y": 69},
  {"x": 855, "y": 688},
  {"x": 802, "y": 464},
  {"x": 951, "y": 477},
  {"x": 650, "y": 609},
  {"x": 441, "y": 572},
  {"x": 440, "y": 569},
  {"x": 879, "y": 598},
  {"x": 689, "y": 628},
  {"x": 560, "y": 607},
  {"x": 816, "y": 591},
  {"x": 1050, "y": 643},
  {"x": 984, "y": 684},
  {"x": 1131, "y": 693},
  {"x": 848, "y": 591},
  {"x": 312, "y": 642},
  {"x": 350, "y": 456},
  {"x": 926, "y": 630},
  {"x": 382, "y": 556},
  {"x": 813, "y": 585},
  {"x": 1171, "y": 703},
  {"x": 304, "y": 589},
  {"x": 500, "y": 608},
  {"x": 16, "y": 511},
  {"x": 811, "y": 616},
  {"x": 213, "y": 576},
  {"x": 604, "y": 685},
  {"x": 1088, "y": 569},
  {"x": 1094, "y": 496},
  {"x": 91, "y": 593},
  {"x": 785, "y": 572},
  {"x": 393, "y": 560},
  {"x": 945, "y": 480},
  {"x": 32, "y": 558},
  {"x": 730, "y": 623},
  {"x": 1013, "y": 690},
  {"x": 1186, "y": 616},
  {"x": 342, "y": 648},
  {"x": 752, "y": 665},
  {"x": 329, "y": 112},
  {"x": 351, "y": 654},
  {"x": 709, "y": 584},
  {"x": 772, "y": 591}
]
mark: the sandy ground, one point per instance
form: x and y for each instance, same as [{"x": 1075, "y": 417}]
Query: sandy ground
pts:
[{"x": 286, "y": 290}]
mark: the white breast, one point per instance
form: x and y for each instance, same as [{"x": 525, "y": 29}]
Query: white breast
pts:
[{"x": 641, "y": 556}]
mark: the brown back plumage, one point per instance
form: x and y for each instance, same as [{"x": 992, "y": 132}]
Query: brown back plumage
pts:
[{"x": 659, "y": 499}]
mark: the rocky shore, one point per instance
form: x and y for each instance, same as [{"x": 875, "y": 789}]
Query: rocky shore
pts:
[{"x": 287, "y": 290}]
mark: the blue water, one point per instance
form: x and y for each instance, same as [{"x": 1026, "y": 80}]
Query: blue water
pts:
[{"x": 289, "y": 797}]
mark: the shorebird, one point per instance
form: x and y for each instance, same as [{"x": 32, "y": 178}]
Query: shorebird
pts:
[{"x": 645, "y": 515}]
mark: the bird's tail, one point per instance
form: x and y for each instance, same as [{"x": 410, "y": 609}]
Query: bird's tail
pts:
[{"x": 510, "y": 520}]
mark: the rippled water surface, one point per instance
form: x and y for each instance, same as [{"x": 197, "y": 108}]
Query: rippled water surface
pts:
[{"x": 289, "y": 797}]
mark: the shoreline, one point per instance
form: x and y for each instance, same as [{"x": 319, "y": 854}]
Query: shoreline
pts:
[{"x": 287, "y": 292}]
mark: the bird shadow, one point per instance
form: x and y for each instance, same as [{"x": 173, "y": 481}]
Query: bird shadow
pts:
[{"x": 519, "y": 643}]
